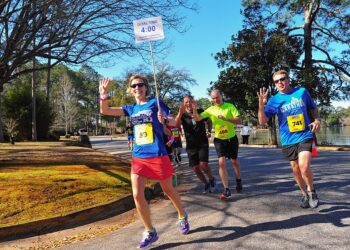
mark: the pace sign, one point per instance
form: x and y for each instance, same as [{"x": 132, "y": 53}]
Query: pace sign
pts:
[{"x": 148, "y": 29}]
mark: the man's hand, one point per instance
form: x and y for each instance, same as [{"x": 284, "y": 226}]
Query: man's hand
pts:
[
  {"x": 262, "y": 95},
  {"x": 103, "y": 86},
  {"x": 315, "y": 126}
]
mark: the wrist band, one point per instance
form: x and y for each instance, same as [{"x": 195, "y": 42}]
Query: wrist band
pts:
[{"x": 103, "y": 97}]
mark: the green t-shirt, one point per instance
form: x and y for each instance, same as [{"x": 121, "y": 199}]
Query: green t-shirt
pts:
[{"x": 223, "y": 130}]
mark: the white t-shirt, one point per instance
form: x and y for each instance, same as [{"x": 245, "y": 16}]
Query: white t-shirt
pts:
[{"x": 245, "y": 130}]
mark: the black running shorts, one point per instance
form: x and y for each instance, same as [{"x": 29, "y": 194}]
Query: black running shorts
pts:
[
  {"x": 227, "y": 148},
  {"x": 196, "y": 155},
  {"x": 291, "y": 152}
]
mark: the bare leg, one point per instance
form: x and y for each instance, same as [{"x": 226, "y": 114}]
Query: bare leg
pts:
[
  {"x": 223, "y": 171},
  {"x": 304, "y": 161},
  {"x": 199, "y": 174},
  {"x": 236, "y": 168},
  {"x": 297, "y": 176},
  {"x": 138, "y": 186},
  {"x": 173, "y": 195},
  {"x": 206, "y": 169}
]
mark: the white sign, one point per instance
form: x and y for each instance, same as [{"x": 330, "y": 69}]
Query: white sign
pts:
[{"x": 148, "y": 29}]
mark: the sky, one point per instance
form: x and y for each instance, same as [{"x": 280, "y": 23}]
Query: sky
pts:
[{"x": 211, "y": 28}]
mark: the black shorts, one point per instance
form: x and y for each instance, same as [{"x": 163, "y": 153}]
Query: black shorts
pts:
[
  {"x": 177, "y": 144},
  {"x": 227, "y": 148},
  {"x": 291, "y": 152},
  {"x": 198, "y": 154}
]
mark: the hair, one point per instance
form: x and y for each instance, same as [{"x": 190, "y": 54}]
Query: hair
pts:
[
  {"x": 280, "y": 72},
  {"x": 217, "y": 90},
  {"x": 144, "y": 79}
]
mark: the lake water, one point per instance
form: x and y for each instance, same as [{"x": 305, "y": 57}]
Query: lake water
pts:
[{"x": 327, "y": 136}]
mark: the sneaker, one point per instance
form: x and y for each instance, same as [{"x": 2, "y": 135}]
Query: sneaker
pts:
[
  {"x": 206, "y": 188},
  {"x": 313, "y": 199},
  {"x": 148, "y": 238},
  {"x": 184, "y": 227},
  {"x": 239, "y": 186},
  {"x": 226, "y": 194},
  {"x": 305, "y": 202}
]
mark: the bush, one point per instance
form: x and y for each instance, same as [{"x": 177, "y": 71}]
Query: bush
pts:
[{"x": 67, "y": 136}]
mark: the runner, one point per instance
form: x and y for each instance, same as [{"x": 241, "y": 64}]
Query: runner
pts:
[
  {"x": 292, "y": 107},
  {"x": 197, "y": 145},
  {"x": 149, "y": 156},
  {"x": 130, "y": 133},
  {"x": 177, "y": 144},
  {"x": 224, "y": 116}
]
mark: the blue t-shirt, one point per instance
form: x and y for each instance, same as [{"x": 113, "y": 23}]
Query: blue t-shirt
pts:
[
  {"x": 292, "y": 112},
  {"x": 148, "y": 131}
]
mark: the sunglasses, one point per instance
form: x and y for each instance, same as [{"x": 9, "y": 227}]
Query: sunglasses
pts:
[
  {"x": 141, "y": 84},
  {"x": 280, "y": 80}
]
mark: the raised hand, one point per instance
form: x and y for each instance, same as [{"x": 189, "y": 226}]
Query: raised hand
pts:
[
  {"x": 182, "y": 108},
  {"x": 262, "y": 95},
  {"x": 103, "y": 86}
]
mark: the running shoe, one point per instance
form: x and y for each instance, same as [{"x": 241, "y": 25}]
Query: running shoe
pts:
[
  {"x": 206, "y": 188},
  {"x": 148, "y": 238},
  {"x": 305, "y": 202},
  {"x": 184, "y": 226},
  {"x": 212, "y": 183},
  {"x": 226, "y": 194},
  {"x": 313, "y": 199},
  {"x": 239, "y": 186}
]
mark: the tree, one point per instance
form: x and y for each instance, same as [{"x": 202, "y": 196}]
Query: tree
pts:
[
  {"x": 17, "y": 99},
  {"x": 324, "y": 27},
  {"x": 67, "y": 103},
  {"x": 203, "y": 103},
  {"x": 250, "y": 60},
  {"x": 73, "y": 32}
]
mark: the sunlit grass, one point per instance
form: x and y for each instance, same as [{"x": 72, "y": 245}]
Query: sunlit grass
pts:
[{"x": 44, "y": 180}]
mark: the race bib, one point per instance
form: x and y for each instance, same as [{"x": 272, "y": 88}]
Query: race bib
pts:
[
  {"x": 144, "y": 134},
  {"x": 296, "y": 123},
  {"x": 223, "y": 131},
  {"x": 175, "y": 133}
]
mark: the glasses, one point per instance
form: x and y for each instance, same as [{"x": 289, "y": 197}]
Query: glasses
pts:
[
  {"x": 141, "y": 84},
  {"x": 280, "y": 80}
]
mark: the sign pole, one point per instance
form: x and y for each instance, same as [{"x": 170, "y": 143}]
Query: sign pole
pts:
[
  {"x": 150, "y": 29},
  {"x": 154, "y": 74}
]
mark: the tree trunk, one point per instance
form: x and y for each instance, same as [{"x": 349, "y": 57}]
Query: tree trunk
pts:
[
  {"x": 1, "y": 130},
  {"x": 34, "y": 134},
  {"x": 308, "y": 74},
  {"x": 48, "y": 81}
]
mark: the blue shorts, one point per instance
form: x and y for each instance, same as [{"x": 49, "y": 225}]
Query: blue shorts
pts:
[{"x": 130, "y": 137}]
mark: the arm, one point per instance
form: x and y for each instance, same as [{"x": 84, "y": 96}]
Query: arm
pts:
[
  {"x": 104, "y": 108},
  {"x": 179, "y": 115},
  {"x": 209, "y": 127},
  {"x": 316, "y": 124},
  {"x": 236, "y": 120},
  {"x": 262, "y": 95},
  {"x": 197, "y": 117}
]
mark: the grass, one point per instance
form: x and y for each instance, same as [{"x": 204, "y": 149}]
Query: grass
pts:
[{"x": 41, "y": 180}]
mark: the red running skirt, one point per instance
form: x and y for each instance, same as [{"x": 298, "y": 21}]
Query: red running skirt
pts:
[{"x": 157, "y": 168}]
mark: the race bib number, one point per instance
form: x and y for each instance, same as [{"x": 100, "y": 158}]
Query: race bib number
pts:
[
  {"x": 296, "y": 123},
  {"x": 175, "y": 133},
  {"x": 144, "y": 134},
  {"x": 223, "y": 131}
]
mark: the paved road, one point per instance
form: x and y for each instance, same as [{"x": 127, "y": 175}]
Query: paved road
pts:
[{"x": 265, "y": 216}]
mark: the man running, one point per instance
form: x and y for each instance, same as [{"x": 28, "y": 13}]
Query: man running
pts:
[
  {"x": 292, "y": 107},
  {"x": 224, "y": 116},
  {"x": 197, "y": 145},
  {"x": 130, "y": 134}
]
